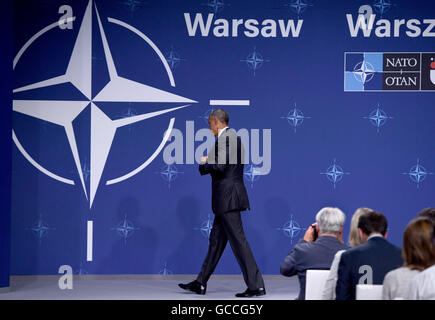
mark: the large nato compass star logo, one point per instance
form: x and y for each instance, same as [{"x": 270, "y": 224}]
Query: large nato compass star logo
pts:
[
  {"x": 418, "y": 173},
  {"x": 125, "y": 229},
  {"x": 79, "y": 73},
  {"x": 363, "y": 71},
  {"x": 40, "y": 229},
  {"x": 378, "y": 117},
  {"x": 206, "y": 227},
  {"x": 170, "y": 173},
  {"x": 295, "y": 117},
  {"x": 254, "y": 60},
  {"x": 291, "y": 229},
  {"x": 335, "y": 173}
]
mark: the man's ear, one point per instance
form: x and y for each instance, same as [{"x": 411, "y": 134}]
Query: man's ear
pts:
[
  {"x": 317, "y": 228},
  {"x": 385, "y": 235},
  {"x": 361, "y": 234}
]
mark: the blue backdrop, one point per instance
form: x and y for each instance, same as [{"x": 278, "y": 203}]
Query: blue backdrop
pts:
[
  {"x": 336, "y": 139},
  {"x": 5, "y": 144}
]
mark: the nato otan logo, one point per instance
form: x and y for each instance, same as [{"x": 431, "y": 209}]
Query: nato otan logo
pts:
[{"x": 389, "y": 72}]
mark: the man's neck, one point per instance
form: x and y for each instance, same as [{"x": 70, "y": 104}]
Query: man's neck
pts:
[
  {"x": 374, "y": 234},
  {"x": 328, "y": 235}
]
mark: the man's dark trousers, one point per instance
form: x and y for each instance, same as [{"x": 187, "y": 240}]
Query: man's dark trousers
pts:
[{"x": 228, "y": 227}]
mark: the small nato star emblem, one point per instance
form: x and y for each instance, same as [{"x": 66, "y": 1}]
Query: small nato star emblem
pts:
[
  {"x": 125, "y": 229},
  {"x": 133, "y": 5},
  {"x": 418, "y": 173},
  {"x": 173, "y": 59},
  {"x": 254, "y": 60},
  {"x": 165, "y": 271},
  {"x": 382, "y": 6},
  {"x": 206, "y": 227},
  {"x": 298, "y": 6},
  {"x": 335, "y": 173},
  {"x": 378, "y": 117},
  {"x": 295, "y": 117},
  {"x": 251, "y": 174},
  {"x": 206, "y": 115},
  {"x": 169, "y": 173},
  {"x": 291, "y": 229},
  {"x": 215, "y": 6},
  {"x": 40, "y": 229}
]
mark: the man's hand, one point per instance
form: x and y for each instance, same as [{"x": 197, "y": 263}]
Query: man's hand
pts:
[
  {"x": 309, "y": 234},
  {"x": 203, "y": 160}
]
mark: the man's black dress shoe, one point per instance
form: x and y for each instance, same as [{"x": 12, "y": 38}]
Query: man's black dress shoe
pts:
[
  {"x": 250, "y": 293},
  {"x": 193, "y": 286}
]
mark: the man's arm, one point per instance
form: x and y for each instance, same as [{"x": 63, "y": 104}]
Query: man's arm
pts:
[
  {"x": 217, "y": 158},
  {"x": 289, "y": 265}
]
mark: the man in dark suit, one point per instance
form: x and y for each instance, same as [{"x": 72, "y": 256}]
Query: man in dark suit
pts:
[
  {"x": 316, "y": 253},
  {"x": 369, "y": 262},
  {"x": 229, "y": 197}
]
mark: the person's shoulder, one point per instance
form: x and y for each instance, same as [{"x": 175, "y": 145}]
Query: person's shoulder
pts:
[
  {"x": 229, "y": 131},
  {"x": 392, "y": 249},
  {"x": 355, "y": 250},
  {"x": 304, "y": 246},
  {"x": 396, "y": 274},
  {"x": 392, "y": 245},
  {"x": 427, "y": 275},
  {"x": 229, "y": 134}
]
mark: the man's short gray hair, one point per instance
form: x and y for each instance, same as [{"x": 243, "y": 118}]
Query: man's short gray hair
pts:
[
  {"x": 221, "y": 115},
  {"x": 330, "y": 220}
]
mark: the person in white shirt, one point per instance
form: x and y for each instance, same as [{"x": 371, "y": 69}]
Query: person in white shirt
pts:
[
  {"x": 417, "y": 253},
  {"x": 422, "y": 287},
  {"x": 354, "y": 240}
]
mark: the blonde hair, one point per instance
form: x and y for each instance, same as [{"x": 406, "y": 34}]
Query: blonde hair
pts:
[{"x": 354, "y": 239}]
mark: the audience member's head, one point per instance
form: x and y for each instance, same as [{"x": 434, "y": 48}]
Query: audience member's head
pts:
[
  {"x": 418, "y": 250},
  {"x": 371, "y": 223},
  {"x": 330, "y": 221},
  {"x": 354, "y": 239},
  {"x": 428, "y": 213}
]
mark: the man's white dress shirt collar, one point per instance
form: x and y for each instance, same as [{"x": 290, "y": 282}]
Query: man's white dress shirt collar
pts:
[
  {"x": 221, "y": 130},
  {"x": 375, "y": 235}
]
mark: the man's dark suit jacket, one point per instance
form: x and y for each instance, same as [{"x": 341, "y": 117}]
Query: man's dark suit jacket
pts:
[
  {"x": 377, "y": 253},
  {"x": 310, "y": 255},
  {"x": 225, "y": 166}
]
